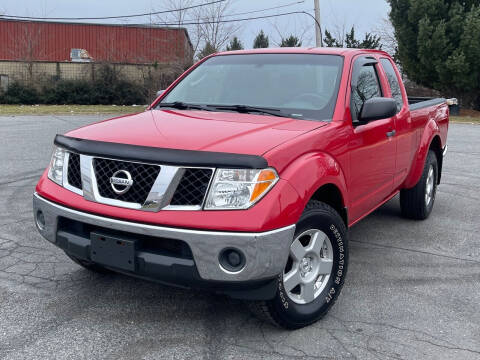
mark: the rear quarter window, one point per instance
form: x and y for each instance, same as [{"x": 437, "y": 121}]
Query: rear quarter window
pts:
[{"x": 393, "y": 82}]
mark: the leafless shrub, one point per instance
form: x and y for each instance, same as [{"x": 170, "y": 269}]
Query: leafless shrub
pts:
[
  {"x": 386, "y": 33},
  {"x": 207, "y": 27}
]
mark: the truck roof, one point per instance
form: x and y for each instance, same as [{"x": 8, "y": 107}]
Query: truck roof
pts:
[{"x": 305, "y": 50}]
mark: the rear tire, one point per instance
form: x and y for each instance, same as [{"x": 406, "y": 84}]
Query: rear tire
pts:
[
  {"x": 417, "y": 203},
  {"x": 89, "y": 265},
  {"x": 318, "y": 256}
]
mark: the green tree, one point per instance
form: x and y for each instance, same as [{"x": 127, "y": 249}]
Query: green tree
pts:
[
  {"x": 235, "y": 44},
  {"x": 291, "y": 41},
  {"x": 370, "y": 41},
  {"x": 350, "y": 41},
  {"x": 208, "y": 49},
  {"x": 439, "y": 45},
  {"x": 330, "y": 41},
  {"x": 261, "y": 41}
]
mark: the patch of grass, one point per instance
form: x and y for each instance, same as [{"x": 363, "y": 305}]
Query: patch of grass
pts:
[
  {"x": 69, "y": 109},
  {"x": 465, "y": 119},
  {"x": 9, "y": 110}
]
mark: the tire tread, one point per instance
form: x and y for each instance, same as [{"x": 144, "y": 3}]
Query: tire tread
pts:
[
  {"x": 266, "y": 312},
  {"x": 412, "y": 203}
]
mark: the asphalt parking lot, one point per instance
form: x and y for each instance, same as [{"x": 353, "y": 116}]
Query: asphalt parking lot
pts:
[{"x": 412, "y": 291}]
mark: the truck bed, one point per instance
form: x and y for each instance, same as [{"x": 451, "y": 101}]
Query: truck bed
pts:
[{"x": 416, "y": 103}]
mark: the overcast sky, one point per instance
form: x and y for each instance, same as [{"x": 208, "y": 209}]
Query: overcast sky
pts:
[{"x": 366, "y": 15}]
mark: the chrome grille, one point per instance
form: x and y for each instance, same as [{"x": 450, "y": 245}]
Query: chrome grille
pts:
[
  {"x": 143, "y": 176},
  {"x": 192, "y": 187},
  {"x": 74, "y": 176},
  {"x": 154, "y": 187}
]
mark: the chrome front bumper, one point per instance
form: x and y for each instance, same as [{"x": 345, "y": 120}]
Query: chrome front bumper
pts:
[{"x": 265, "y": 253}]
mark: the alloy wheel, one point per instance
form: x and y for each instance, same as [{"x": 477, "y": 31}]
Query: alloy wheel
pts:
[{"x": 309, "y": 266}]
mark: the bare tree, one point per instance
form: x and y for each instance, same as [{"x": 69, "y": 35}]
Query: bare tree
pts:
[
  {"x": 177, "y": 14},
  {"x": 339, "y": 23},
  {"x": 339, "y": 31},
  {"x": 212, "y": 30},
  {"x": 386, "y": 33},
  {"x": 27, "y": 46},
  {"x": 301, "y": 32},
  {"x": 207, "y": 27}
]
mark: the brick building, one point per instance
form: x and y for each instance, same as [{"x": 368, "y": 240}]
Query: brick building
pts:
[{"x": 30, "y": 49}]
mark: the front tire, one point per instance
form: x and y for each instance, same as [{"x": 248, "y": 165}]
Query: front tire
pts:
[
  {"x": 315, "y": 271},
  {"x": 417, "y": 203}
]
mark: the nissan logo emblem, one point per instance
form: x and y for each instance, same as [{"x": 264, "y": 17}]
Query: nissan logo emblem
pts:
[{"x": 121, "y": 181}]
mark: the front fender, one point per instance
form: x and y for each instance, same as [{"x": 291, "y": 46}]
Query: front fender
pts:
[
  {"x": 313, "y": 170},
  {"x": 431, "y": 130}
]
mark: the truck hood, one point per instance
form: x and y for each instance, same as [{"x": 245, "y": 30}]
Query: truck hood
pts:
[{"x": 228, "y": 132}]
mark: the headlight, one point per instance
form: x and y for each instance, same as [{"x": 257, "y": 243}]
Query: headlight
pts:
[
  {"x": 239, "y": 188},
  {"x": 55, "y": 170}
]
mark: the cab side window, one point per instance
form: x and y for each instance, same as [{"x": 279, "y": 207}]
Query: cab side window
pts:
[
  {"x": 365, "y": 85},
  {"x": 393, "y": 82}
]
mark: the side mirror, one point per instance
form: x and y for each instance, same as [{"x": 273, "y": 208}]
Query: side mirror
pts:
[
  {"x": 377, "y": 108},
  {"x": 160, "y": 92}
]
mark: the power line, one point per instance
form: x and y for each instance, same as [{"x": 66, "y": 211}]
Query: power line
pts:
[
  {"x": 271, "y": 8},
  {"x": 109, "y": 17},
  {"x": 150, "y": 13},
  {"x": 250, "y": 18},
  {"x": 175, "y": 23},
  {"x": 226, "y": 21},
  {"x": 237, "y": 14},
  {"x": 183, "y": 23}
]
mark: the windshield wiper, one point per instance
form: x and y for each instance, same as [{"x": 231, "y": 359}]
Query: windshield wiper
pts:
[
  {"x": 238, "y": 108},
  {"x": 250, "y": 109},
  {"x": 183, "y": 106}
]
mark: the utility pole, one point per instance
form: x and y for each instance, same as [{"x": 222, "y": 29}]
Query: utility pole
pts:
[{"x": 318, "y": 31}]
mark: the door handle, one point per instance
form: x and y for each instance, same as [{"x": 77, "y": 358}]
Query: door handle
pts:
[{"x": 391, "y": 133}]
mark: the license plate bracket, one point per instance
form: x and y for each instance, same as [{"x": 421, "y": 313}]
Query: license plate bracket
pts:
[{"x": 112, "y": 251}]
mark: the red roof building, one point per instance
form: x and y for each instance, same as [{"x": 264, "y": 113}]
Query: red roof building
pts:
[{"x": 84, "y": 42}]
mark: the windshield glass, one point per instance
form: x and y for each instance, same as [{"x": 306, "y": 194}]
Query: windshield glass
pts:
[{"x": 303, "y": 86}]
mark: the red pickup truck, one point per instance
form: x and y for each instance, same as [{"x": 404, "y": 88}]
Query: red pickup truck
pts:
[{"x": 244, "y": 175}]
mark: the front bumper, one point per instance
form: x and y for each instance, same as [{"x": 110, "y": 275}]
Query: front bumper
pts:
[{"x": 265, "y": 253}]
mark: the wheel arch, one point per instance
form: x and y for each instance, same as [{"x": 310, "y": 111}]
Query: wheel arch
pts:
[
  {"x": 318, "y": 176},
  {"x": 430, "y": 140},
  {"x": 436, "y": 147},
  {"x": 331, "y": 195}
]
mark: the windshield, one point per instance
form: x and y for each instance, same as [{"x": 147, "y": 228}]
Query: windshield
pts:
[{"x": 303, "y": 86}]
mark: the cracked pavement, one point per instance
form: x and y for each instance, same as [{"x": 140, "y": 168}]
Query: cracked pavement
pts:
[{"x": 412, "y": 289}]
